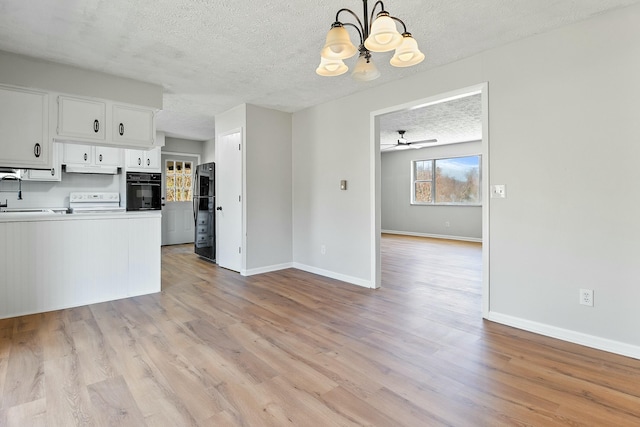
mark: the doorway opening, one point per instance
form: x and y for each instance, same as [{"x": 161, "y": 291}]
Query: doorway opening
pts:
[{"x": 384, "y": 135}]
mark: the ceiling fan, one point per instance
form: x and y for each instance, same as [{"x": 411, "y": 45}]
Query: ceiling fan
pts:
[{"x": 404, "y": 144}]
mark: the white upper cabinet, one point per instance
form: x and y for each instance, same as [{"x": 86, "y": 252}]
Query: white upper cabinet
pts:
[
  {"x": 108, "y": 156},
  {"x": 91, "y": 157},
  {"x": 24, "y": 128},
  {"x": 77, "y": 154},
  {"x": 81, "y": 119},
  {"x": 133, "y": 126},
  {"x": 104, "y": 122},
  {"x": 143, "y": 160},
  {"x": 53, "y": 174}
]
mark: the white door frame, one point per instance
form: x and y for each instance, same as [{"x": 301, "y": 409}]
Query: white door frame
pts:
[
  {"x": 376, "y": 181},
  {"x": 243, "y": 258},
  {"x": 175, "y": 153}
]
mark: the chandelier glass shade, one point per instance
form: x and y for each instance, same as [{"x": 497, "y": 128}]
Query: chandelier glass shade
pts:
[
  {"x": 338, "y": 44},
  {"x": 331, "y": 67},
  {"x": 376, "y": 35},
  {"x": 407, "y": 54},
  {"x": 365, "y": 70}
]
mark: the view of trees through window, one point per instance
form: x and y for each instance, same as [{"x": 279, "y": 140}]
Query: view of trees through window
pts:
[
  {"x": 453, "y": 181},
  {"x": 178, "y": 181}
]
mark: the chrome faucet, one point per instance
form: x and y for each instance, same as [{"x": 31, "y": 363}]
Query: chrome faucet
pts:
[{"x": 13, "y": 178}]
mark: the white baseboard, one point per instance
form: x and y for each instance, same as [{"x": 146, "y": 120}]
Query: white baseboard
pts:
[
  {"x": 434, "y": 236},
  {"x": 334, "y": 275},
  {"x": 592, "y": 341},
  {"x": 267, "y": 269}
]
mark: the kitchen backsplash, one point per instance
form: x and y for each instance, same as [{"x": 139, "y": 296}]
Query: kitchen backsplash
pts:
[{"x": 56, "y": 194}]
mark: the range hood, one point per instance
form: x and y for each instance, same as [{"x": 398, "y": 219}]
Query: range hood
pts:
[{"x": 104, "y": 170}]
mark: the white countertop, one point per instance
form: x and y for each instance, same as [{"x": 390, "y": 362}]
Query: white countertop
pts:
[{"x": 52, "y": 216}]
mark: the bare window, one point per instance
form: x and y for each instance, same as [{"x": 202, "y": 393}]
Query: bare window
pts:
[{"x": 450, "y": 181}]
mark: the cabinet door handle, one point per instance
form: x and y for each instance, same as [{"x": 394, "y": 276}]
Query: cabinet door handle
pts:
[
  {"x": 121, "y": 129},
  {"x": 37, "y": 150},
  {"x": 139, "y": 161},
  {"x": 100, "y": 157},
  {"x": 148, "y": 162},
  {"x": 85, "y": 157},
  {"x": 96, "y": 126},
  {"x": 53, "y": 171}
]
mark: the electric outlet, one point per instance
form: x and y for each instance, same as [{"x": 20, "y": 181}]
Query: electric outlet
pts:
[
  {"x": 498, "y": 191},
  {"x": 586, "y": 297},
  {"x": 447, "y": 224},
  {"x": 323, "y": 249}
]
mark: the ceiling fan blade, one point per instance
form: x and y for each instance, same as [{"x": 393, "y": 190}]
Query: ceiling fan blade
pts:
[{"x": 423, "y": 143}]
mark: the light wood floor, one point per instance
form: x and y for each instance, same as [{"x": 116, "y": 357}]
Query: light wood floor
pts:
[{"x": 292, "y": 348}]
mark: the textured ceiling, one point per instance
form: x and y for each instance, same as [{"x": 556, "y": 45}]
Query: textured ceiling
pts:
[
  {"x": 458, "y": 120},
  {"x": 211, "y": 55}
]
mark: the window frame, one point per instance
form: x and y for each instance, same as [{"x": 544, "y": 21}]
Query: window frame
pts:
[{"x": 434, "y": 190}]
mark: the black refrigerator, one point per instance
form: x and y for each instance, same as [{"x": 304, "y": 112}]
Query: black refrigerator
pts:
[{"x": 204, "y": 202}]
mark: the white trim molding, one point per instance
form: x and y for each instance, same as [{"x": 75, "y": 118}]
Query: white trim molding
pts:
[
  {"x": 580, "y": 338},
  {"x": 266, "y": 269},
  {"x": 433, "y": 236},
  {"x": 334, "y": 275}
]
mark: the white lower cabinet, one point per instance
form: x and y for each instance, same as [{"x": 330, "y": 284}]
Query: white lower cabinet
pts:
[
  {"x": 56, "y": 264},
  {"x": 144, "y": 250}
]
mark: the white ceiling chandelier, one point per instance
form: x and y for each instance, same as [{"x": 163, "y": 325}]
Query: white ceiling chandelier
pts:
[{"x": 379, "y": 35}]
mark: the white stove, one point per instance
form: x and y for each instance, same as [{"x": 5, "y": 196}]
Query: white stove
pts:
[{"x": 84, "y": 202}]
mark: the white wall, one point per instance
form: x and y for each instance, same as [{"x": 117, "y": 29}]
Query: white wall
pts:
[
  {"x": 399, "y": 215},
  {"x": 29, "y": 72},
  {"x": 563, "y": 137},
  {"x": 209, "y": 151},
  {"x": 269, "y": 188},
  {"x": 267, "y": 178},
  {"x": 180, "y": 145},
  {"x": 332, "y": 142}
]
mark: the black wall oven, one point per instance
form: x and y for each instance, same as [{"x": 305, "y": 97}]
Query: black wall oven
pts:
[{"x": 144, "y": 191}]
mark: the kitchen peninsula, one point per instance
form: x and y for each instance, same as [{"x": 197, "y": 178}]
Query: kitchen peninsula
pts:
[{"x": 51, "y": 261}]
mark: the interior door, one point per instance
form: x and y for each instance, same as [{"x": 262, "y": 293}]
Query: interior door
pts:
[
  {"x": 177, "y": 190},
  {"x": 229, "y": 201}
]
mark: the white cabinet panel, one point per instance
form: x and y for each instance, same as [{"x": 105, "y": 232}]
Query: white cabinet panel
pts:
[
  {"x": 143, "y": 160},
  {"x": 53, "y": 174},
  {"x": 50, "y": 265},
  {"x": 81, "y": 119},
  {"x": 77, "y": 154},
  {"x": 144, "y": 256},
  {"x": 108, "y": 156},
  {"x": 24, "y": 122},
  {"x": 104, "y": 122},
  {"x": 91, "y": 156},
  {"x": 133, "y": 125}
]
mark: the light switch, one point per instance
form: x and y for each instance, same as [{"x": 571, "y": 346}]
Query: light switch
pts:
[
  {"x": 498, "y": 191},
  {"x": 343, "y": 184}
]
